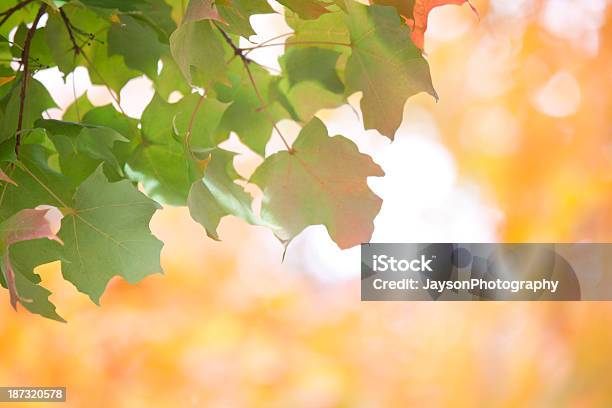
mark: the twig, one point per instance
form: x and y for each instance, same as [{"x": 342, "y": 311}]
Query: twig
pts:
[
  {"x": 79, "y": 51},
  {"x": 8, "y": 13},
  {"x": 278, "y": 37},
  {"x": 75, "y": 47},
  {"x": 25, "y": 58},
  {"x": 246, "y": 62},
  {"x": 288, "y": 44}
]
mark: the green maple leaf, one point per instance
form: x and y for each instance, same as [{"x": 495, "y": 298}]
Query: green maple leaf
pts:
[
  {"x": 91, "y": 30},
  {"x": 41, "y": 54},
  {"x": 82, "y": 148},
  {"x": 313, "y": 64},
  {"x": 331, "y": 28},
  {"x": 307, "y": 98},
  {"x": 250, "y": 117},
  {"x": 24, "y": 15},
  {"x": 60, "y": 46},
  {"x": 105, "y": 68},
  {"x": 385, "y": 65},
  {"x": 77, "y": 109},
  {"x": 105, "y": 227},
  {"x": 37, "y": 101},
  {"x": 138, "y": 43},
  {"x": 216, "y": 194},
  {"x": 36, "y": 183},
  {"x": 109, "y": 117},
  {"x": 322, "y": 182},
  {"x": 106, "y": 233},
  {"x": 236, "y": 13},
  {"x": 162, "y": 120},
  {"x": 199, "y": 50},
  {"x": 163, "y": 171},
  {"x": 160, "y": 162},
  {"x": 170, "y": 79}
]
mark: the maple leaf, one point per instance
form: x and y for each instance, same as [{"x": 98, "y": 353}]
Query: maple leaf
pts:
[
  {"x": 216, "y": 194},
  {"x": 105, "y": 226},
  {"x": 28, "y": 224},
  {"x": 251, "y": 120},
  {"x": 322, "y": 181},
  {"x": 416, "y": 13},
  {"x": 382, "y": 50},
  {"x": 159, "y": 161},
  {"x": 306, "y": 9},
  {"x": 420, "y": 15},
  {"x": 106, "y": 233},
  {"x": 89, "y": 164},
  {"x": 201, "y": 10},
  {"x": 233, "y": 14},
  {"x": 129, "y": 31},
  {"x": 208, "y": 61}
]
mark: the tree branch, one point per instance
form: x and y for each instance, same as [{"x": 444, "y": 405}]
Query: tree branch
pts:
[
  {"x": 246, "y": 61},
  {"x": 8, "y": 13},
  {"x": 25, "y": 58},
  {"x": 269, "y": 40}
]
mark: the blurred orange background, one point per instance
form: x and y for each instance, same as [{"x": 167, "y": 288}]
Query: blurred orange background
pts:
[{"x": 519, "y": 149}]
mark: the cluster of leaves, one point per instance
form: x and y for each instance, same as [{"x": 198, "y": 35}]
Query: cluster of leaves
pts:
[{"x": 89, "y": 164}]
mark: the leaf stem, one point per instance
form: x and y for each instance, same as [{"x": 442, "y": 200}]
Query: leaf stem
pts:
[
  {"x": 265, "y": 108},
  {"x": 187, "y": 139},
  {"x": 25, "y": 58},
  {"x": 9, "y": 274},
  {"x": 246, "y": 61},
  {"x": 8, "y": 13},
  {"x": 25, "y": 169}
]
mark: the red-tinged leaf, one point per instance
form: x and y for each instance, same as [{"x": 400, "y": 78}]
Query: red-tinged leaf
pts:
[
  {"x": 323, "y": 181},
  {"x": 26, "y": 225},
  {"x": 4, "y": 177},
  {"x": 416, "y": 13},
  {"x": 420, "y": 14}
]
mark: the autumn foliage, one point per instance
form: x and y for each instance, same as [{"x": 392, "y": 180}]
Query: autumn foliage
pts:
[{"x": 90, "y": 164}]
